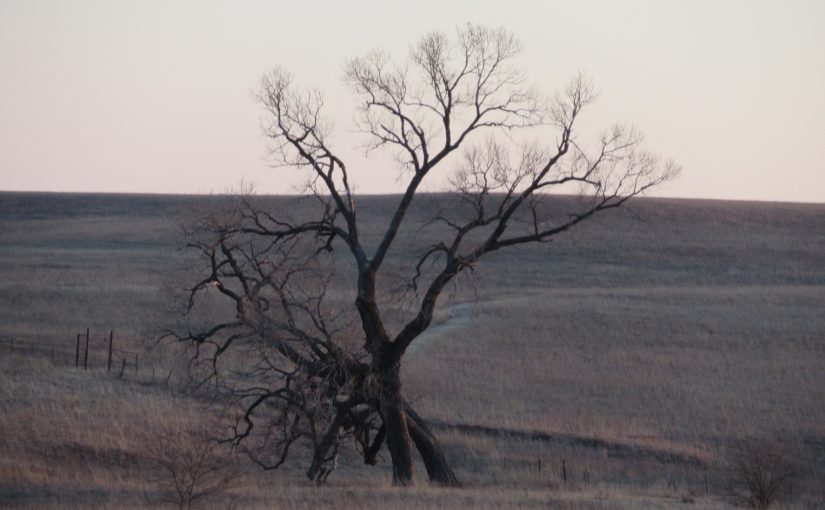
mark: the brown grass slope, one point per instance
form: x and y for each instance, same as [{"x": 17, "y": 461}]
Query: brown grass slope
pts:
[{"x": 637, "y": 349}]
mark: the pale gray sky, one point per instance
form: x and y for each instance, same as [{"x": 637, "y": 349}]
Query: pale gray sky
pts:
[{"x": 155, "y": 96}]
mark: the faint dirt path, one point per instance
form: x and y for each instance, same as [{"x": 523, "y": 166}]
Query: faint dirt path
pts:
[{"x": 460, "y": 316}]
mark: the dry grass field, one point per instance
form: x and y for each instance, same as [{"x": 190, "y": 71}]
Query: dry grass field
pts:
[{"x": 630, "y": 356}]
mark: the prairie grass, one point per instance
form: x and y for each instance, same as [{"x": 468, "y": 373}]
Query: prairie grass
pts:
[{"x": 637, "y": 350}]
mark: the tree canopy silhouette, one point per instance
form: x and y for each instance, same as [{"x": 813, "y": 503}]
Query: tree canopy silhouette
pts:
[{"x": 307, "y": 372}]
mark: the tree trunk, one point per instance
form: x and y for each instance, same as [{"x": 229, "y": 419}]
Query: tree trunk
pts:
[
  {"x": 395, "y": 420},
  {"x": 371, "y": 452},
  {"x": 438, "y": 468},
  {"x": 317, "y": 470}
]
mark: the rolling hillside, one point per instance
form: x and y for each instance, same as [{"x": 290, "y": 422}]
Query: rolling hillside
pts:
[{"x": 639, "y": 349}]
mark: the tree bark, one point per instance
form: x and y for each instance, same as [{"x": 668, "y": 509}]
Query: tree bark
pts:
[
  {"x": 398, "y": 438},
  {"x": 436, "y": 463},
  {"x": 371, "y": 453}
]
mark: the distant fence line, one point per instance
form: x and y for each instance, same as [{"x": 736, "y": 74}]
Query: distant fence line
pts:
[
  {"x": 16, "y": 346},
  {"x": 117, "y": 358}
]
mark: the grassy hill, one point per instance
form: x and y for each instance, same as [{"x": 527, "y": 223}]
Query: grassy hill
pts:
[{"x": 636, "y": 352}]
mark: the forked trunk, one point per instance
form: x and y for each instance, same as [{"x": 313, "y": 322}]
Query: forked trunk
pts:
[
  {"x": 438, "y": 468},
  {"x": 398, "y": 438}
]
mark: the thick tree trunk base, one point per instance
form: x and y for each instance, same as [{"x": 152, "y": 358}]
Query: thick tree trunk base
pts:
[
  {"x": 396, "y": 427},
  {"x": 403, "y": 427},
  {"x": 438, "y": 468}
]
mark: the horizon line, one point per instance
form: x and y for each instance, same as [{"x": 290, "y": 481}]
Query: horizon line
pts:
[{"x": 369, "y": 194}]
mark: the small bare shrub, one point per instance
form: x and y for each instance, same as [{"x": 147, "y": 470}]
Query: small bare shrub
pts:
[
  {"x": 758, "y": 471},
  {"x": 189, "y": 466}
]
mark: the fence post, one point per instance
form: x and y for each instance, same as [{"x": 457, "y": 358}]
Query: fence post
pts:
[
  {"x": 86, "y": 356},
  {"x": 109, "y": 363},
  {"x": 122, "y": 367},
  {"x": 564, "y": 470},
  {"x": 77, "y": 352}
]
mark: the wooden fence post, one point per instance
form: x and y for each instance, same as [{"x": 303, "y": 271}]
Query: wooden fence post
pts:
[
  {"x": 86, "y": 356},
  {"x": 77, "y": 352},
  {"x": 109, "y": 363},
  {"x": 564, "y": 470},
  {"x": 122, "y": 367}
]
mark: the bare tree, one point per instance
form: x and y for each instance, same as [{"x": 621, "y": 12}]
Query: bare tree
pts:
[
  {"x": 321, "y": 380},
  {"x": 188, "y": 465},
  {"x": 758, "y": 471}
]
